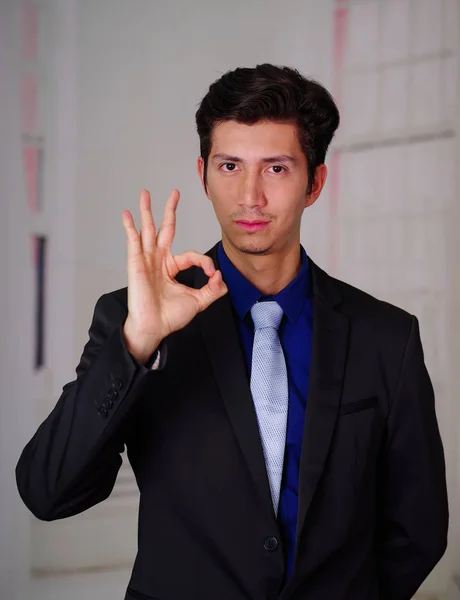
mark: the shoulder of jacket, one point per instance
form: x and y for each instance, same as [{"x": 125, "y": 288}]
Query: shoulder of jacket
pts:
[{"x": 373, "y": 312}]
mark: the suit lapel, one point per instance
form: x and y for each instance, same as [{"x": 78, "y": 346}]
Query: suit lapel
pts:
[
  {"x": 220, "y": 336},
  {"x": 327, "y": 370}
]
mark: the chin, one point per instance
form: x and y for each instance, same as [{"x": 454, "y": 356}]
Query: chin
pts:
[{"x": 253, "y": 247}]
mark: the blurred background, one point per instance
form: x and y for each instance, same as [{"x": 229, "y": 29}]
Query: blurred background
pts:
[{"x": 97, "y": 100}]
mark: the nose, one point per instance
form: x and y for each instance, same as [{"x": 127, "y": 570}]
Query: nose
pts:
[{"x": 252, "y": 193}]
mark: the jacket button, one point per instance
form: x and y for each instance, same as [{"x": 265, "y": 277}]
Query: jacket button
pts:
[
  {"x": 117, "y": 384},
  {"x": 112, "y": 394},
  {"x": 271, "y": 543},
  {"x": 102, "y": 412}
]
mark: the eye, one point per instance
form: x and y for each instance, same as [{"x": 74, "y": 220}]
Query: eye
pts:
[
  {"x": 278, "y": 169},
  {"x": 228, "y": 167}
]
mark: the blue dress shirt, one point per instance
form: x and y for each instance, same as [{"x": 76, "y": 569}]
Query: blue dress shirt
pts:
[{"x": 295, "y": 333}]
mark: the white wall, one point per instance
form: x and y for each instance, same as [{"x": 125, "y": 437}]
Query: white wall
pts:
[
  {"x": 16, "y": 403},
  {"x": 124, "y": 81}
]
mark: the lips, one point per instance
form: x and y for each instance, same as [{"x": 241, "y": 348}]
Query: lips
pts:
[{"x": 252, "y": 225}]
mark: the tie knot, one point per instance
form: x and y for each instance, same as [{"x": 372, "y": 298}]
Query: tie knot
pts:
[{"x": 266, "y": 314}]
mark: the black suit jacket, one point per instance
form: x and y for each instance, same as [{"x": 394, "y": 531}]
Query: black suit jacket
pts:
[{"x": 373, "y": 515}]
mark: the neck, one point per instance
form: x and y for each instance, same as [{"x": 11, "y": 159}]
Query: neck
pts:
[{"x": 269, "y": 273}]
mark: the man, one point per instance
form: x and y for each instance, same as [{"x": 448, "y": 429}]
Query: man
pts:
[{"x": 280, "y": 423}]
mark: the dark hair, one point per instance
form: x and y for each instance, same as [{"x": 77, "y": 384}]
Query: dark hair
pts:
[{"x": 270, "y": 93}]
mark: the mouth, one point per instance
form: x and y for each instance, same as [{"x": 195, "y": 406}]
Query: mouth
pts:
[{"x": 252, "y": 225}]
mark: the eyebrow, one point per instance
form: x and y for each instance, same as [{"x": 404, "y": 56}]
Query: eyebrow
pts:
[{"x": 282, "y": 158}]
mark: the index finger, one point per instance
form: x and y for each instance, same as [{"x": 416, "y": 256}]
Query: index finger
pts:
[{"x": 167, "y": 229}]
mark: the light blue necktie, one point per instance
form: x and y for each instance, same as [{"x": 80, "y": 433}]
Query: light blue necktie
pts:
[{"x": 269, "y": 388}]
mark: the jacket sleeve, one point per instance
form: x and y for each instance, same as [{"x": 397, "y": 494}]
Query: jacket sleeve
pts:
[
  {"x": 72, "y": 461},
  {"x": 412, "y": 499}
]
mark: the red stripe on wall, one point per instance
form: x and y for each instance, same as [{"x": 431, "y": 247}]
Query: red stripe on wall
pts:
[
  {"x": 29, "y": 103},
  {"x": 30, "y": 159},
  {"x": 341, "y": 14},
  {"x": 29, "y": 32}
]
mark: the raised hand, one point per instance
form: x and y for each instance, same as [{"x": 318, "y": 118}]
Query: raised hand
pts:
[{"x": 157, "y": 303}]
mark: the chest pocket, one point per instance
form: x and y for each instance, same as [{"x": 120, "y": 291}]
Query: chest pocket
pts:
[{"x": 358, "y": 405}]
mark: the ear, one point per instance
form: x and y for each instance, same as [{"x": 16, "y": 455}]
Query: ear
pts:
[
  {"x": 318, "y": 185},
  {"x": 200, "y": 169}
]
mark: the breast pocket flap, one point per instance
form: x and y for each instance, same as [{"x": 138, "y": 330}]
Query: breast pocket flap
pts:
[{"x": 358, "y": 405}]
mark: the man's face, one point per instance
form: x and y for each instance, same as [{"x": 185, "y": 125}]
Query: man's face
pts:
[{"x": 257, "y": 180}]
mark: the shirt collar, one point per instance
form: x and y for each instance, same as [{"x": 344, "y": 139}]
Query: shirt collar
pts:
[{"x": 244, "y": 295}]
